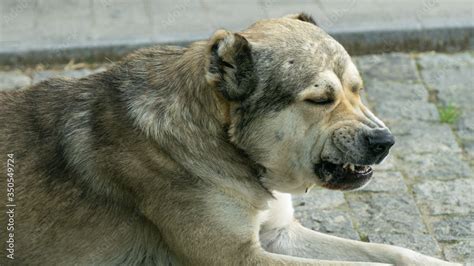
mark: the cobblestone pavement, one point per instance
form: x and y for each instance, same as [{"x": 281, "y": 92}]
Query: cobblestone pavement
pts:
[{"x": 422, "y": 195}]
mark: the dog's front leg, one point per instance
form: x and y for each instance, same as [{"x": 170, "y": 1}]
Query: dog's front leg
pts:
[
  {"x": 296, "y": 240},
  {"x": 282, "y": 234},
  {"x": 214, "y": 228}
]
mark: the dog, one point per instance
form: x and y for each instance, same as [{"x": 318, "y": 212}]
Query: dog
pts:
[{"x": 188, "y": 156}]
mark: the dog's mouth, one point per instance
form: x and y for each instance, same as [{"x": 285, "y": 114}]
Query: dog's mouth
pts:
[{"x": 342, "y": 176}]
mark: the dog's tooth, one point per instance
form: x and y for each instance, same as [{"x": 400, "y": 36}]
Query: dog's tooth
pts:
[{"x": 352, "y": 166}]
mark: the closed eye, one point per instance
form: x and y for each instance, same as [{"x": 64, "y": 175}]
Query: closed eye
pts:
[{"x": 322, "y": 101}]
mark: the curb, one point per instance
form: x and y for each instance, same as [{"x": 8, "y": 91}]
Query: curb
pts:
[{"x": 443, "y": 39}]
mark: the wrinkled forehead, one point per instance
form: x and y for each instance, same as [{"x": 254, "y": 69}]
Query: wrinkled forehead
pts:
[{"x": 286, "y": 41}]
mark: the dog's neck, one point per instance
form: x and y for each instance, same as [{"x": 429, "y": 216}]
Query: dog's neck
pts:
[{"x": 189, "y": 119}]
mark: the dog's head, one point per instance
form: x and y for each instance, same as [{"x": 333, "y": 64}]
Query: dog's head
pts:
[{"x": 295, "y": 105}]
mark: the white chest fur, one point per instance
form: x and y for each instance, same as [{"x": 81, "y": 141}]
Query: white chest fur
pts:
[{"x": 279, "y": 213}]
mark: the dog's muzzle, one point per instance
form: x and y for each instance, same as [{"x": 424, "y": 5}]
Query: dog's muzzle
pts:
[{"x": 354, "y": 174}]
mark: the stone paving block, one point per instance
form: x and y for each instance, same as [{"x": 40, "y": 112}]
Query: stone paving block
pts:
[
  {"x": 465, "y": 125},
  {"x": 434, "y": 60},
  {"x": 407, "y": 110},
  {"x": 333, "y": 222},
  {"x": 461, "y": 97},
  {"x": 381, "y": 91},
  {"x": 446, "y": 197},
  {"x": 423, "y": 243},
  {"x": 388, "y": 67},
  {"x": 469, "y": 152},
  {"x": 442, "y": 166},
  {"x": 377, "y": 213},
  {"x": 452, "y": 83},
  {"x": 449, "y": 77},
  {"x": 454, "y": 228},
  {"x": 13, "y": 80},
  {"x": 469, "y": 149},
  {"x": 421, "y": 137},
  {"x": 320, "y": 210},
  {"x": 386, "y": 182},
  {"x": 319, "y": 198},
  {"x": 388, "y": 164},
  {"x": 462, "y": 251}
]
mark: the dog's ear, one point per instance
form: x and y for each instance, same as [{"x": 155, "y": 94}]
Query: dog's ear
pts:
[
  {"x": 231, "y": 68},
  {"x": 303, "y": 17}
]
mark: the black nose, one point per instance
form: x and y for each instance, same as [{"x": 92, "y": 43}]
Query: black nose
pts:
[{"x": 380, "y": 141}]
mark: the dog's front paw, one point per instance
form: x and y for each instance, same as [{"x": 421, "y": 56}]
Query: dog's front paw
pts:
[{"x": 417, "y": 259}]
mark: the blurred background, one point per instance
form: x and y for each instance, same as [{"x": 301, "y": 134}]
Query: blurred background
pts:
[
  {"x": 416, "y": 59},
  {"x": 31, "y": 30}
]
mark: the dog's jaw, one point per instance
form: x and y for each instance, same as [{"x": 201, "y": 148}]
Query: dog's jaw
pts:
[{"x": 343, "y": 176}]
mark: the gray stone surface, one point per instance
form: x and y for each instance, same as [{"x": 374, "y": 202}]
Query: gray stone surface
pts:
[
  {"x": 386, "y": 182},
  {"x": 319, "y": 198},
  {"x": 407, "y": 110},
  {"x": 382, "y": 91},
  {"x": 443, "y": 166},
  {"x": 376, "y": 213},
  {"x": 454, "y": 228},
  {"x": 446, "y": 197},
  {"x": 469, "y": 149},
  {"x": 388, "y": 67},
  {"x": 448, "y": 77},
  {"x": 453, "y": 86},
  {"x": 438, "y": 60},
  {"x": 392, "y": 219},
  {"x": 417, "y": 137},
  {"x": 462, "y": 251},
  {"x": 13, "y": 80},
  {"x": 388, "y": 164},
  {"x": 465, "y": 132},
  {"x": 333, "y": 222},
  {"x": 451, "y": 78},
  {"x": 420, "y": 242},
  {"x": 465, "y": 126},
  {"x": 322, "y": 210}
]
